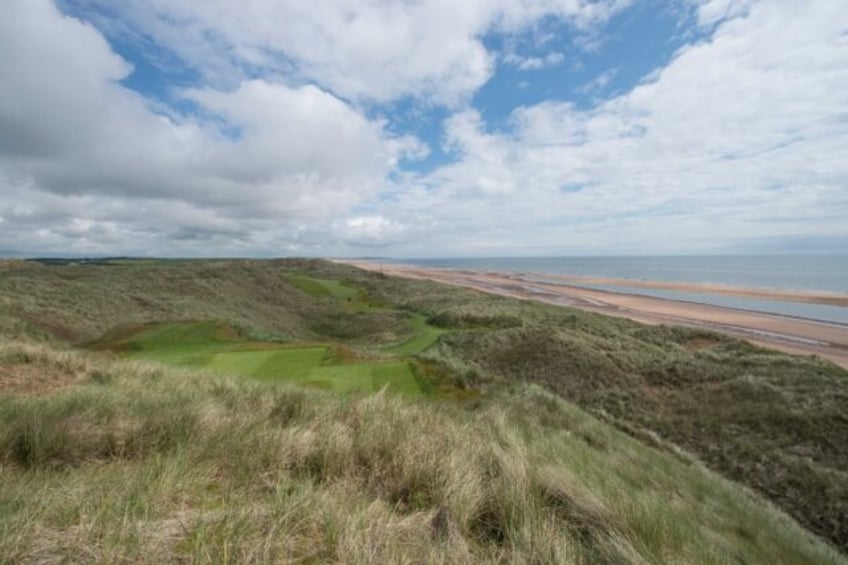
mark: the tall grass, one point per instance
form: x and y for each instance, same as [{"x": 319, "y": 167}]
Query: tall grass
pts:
[{"x": 135, "y": 462}]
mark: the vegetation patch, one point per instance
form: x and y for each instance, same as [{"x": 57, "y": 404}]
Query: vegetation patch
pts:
[
  {"x": 423, "y": 336},
  {"x": 321, "y": 288},
  {"x": 217, "y": 347},
  {"x": 161, "y": 464}
]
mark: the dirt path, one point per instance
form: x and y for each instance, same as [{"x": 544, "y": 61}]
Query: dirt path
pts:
[{"x": 792, "y": 335}]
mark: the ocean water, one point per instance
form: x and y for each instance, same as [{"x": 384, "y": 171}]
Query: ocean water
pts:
[
  {"x": 789, "y": 272},
  {"x": 820, "y": 312}
]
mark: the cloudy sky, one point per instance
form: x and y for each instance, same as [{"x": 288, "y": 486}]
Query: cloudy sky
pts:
[{"x": 426, "y": 128}]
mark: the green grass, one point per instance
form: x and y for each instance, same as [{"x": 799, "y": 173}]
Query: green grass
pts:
[
  {"x": 134, "y": 462},
  {"x": 308, "y": 366},
  {"x": 216, "y": 347},
  {"x": 323, "y": 287},
  {"x": 424, "y": 335},
  {"x": 288, "y": 363},
  {"x": 365, "y": 377},
  {"x": 252, "y": 363},
  {"x": 142, "y": 263},
  {"x": 189, "y": 334}
]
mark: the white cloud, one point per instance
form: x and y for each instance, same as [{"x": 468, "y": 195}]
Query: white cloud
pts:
[
  {"x": 584, "y": 14},
  {"x": 600, "y": 82},
  {"x": 360, "y": 49},
  {"x": 739, "y": 137},
  {"x": 283, "y": 131},
  {"x": 82, "y": 157},
  {"x": 534, "y": 63},
  {"x": 711, "y": 12},
  {"x": 371, "y": 231}
]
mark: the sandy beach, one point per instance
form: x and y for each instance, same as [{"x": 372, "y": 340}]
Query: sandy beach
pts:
[{"x": 792, "y": 335}]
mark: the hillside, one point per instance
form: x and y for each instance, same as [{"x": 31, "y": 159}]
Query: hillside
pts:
[
  {"x": 550, "y": 482},
  {"x": 82, "y": 302},
  {"x": 128, "y": 461}
]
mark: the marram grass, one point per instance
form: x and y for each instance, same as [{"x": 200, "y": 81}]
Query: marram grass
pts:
[{"x": 131, "y": 461}]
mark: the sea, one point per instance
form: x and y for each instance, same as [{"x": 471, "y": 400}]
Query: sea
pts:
[{"x": 827, "y": 273}]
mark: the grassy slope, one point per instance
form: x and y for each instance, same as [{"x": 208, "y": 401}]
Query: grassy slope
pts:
[
  {"x": 425, "y": 335},
  {"x": 771, "y": 421},
  {"x": 135, "y": 462},
  {"x": 80, "y": 303}
]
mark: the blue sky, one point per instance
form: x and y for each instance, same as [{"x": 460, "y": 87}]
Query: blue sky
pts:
[{"x": 428, "y": 128}]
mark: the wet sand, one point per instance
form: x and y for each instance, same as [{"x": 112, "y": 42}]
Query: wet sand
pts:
[{"x": 792, "y": 335}]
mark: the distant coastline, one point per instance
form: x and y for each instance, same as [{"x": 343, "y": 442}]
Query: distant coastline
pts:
[
  {"x": 792, "y": 334},
  {"x": 824, "y": 273}
]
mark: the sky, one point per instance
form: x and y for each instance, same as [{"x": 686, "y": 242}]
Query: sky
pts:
[{"x": 423, "y": 128}]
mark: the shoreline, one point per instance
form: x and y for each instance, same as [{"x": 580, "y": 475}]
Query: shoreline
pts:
[
  {"x": 828, "y": 298},
  {"x": 785, "y": 333}
]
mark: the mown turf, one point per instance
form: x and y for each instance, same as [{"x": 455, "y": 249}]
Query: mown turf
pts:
[
  {"x": 288, "y": 363},
  {"x": 253, "y": 363},
  {"x": 216, "y": 347},
  {"x": 365, "y": 377},
  {"x": 307, "y": 366}
]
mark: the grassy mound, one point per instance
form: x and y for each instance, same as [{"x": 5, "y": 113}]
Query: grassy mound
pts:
[{"x": 136, "y": 462}]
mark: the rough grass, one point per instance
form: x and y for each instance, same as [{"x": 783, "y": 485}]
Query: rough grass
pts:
[
  {"x": 137, "y": 462},
  {"x": 768, "y": 420},
  {"x": 771, "y": 421},
  {"x": 78, "y": 303}
]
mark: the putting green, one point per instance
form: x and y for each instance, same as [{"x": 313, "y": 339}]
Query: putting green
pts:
[
  {"x": 216, "y": 347},
  {"x": 308, "y": 365},
  {"x": 270, "y": 364}
]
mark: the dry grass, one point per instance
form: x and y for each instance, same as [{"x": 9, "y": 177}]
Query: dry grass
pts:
[
  {"x": 32, "y": 370},
  {"x": 145, "y": 464}
]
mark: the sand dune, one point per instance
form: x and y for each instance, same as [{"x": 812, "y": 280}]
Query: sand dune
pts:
[{"x": 793, "y": 335}]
